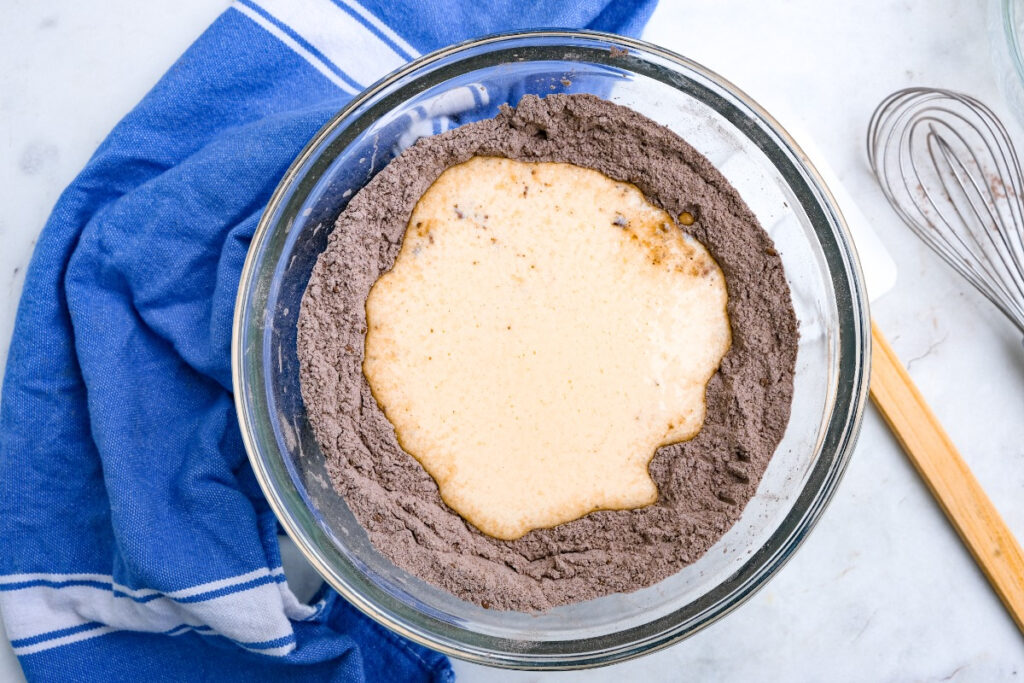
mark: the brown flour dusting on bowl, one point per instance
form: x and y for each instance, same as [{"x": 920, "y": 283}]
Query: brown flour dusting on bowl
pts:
[{"x": 703, "y": 484}]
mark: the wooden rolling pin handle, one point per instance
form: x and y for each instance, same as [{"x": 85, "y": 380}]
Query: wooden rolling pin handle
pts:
[{"x": 964, "y": 501}]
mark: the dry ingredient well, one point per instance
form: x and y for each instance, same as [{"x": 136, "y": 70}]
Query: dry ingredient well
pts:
[{"x": 703, "y": 484}]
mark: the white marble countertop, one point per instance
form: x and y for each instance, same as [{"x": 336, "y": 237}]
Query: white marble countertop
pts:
[{"x": 882, "y": 589}]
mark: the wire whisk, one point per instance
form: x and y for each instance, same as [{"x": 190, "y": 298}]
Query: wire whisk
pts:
[{"x": 948, "y": 167}]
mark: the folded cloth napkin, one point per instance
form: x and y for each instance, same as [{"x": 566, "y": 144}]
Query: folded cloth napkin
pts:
[{"x": 134, "y": 540}]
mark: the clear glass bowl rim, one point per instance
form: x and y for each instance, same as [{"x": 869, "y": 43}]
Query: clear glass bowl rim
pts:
[
  {"x": 1009, "y": 20},
  {"x": 843, "y": 424}
]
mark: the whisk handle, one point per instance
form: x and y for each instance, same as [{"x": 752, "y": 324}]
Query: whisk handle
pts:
[{"x": 950, "y": 479}]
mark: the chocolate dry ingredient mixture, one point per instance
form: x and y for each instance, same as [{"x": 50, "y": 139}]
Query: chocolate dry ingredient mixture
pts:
[{"x": 703, "y": 484}]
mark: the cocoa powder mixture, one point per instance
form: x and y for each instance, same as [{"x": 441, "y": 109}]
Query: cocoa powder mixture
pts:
[{"x": 703, "y": 484}]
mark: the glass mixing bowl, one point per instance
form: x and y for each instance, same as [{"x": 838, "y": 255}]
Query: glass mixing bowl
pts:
[
  {"x": 468, "y": 82},
  {"x": 1006, "y": 26}
]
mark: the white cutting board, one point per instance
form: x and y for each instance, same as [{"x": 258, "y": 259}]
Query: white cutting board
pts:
[{"x": 876, "y": 263}]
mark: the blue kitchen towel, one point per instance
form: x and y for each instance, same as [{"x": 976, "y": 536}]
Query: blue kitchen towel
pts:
[{"x": 134, "y": 541}]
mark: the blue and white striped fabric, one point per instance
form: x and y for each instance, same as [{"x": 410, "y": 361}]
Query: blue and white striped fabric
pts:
[{"x": 134, "y": 541}]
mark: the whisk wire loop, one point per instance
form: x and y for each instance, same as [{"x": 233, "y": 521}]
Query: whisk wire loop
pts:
[{"x": 947, "y": 165}]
